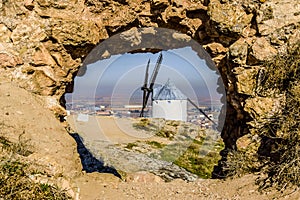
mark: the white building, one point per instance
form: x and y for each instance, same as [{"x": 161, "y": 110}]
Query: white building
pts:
[
  {"x": 169, "y": 103},
  {"x": 82, "y": 117}
]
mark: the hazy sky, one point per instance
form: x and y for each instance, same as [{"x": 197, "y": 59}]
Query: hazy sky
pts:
[{"x": 121, "y": 75}]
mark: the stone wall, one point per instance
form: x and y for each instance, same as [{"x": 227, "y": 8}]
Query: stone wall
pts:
[{"x": 43, "y": 44}]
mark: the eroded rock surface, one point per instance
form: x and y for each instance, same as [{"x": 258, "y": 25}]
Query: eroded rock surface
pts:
[
  {"x": 43, "y": 43},
  {"x": 26, "y": 122}
]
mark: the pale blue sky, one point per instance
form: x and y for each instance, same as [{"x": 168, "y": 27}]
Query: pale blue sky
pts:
[{"x": 123, "y": 74}]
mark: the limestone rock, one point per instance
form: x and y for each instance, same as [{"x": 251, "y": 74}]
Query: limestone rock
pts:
[
  {"x": 4, "y": 33},
  {"x": 130, "y": 161},
  {"x": 229, "y": 18},
  {"x": 43, "y": 57},
  {"x": 133, "y": 36},
  {"x": 172, "y": 14},
  {"x": 145, "y": 21},
  {"x": 43, "y": 84},
  {"x": 51, "y": 145},
  {"x": 13, "y": 9},
  {"x": 64, "y": 61},
  {"x": 160, "y": 3},
  {"x": 216, "y": 48},
  {"x": 274, "y": 15},
  {"x": 59, "y": 4},
  {"x": 262, "y": 108},
  {"x": 29, "y": 4},
  {"x": 29, "y": 31},
  {"x": 181, "y": 37},
  {"x": 246, "y": 80},
  {"x": 261, "y": 50},
  {"x": 43, "y": 42},
  {"x": 74, "y": 32},
  {"x": 192, "y": 24},
  {"x": 239, "y": 52},
  {"x": 9, "y": 60},
  {"x": 57, "y": 9},
  {"x": 143, "y": 177}
]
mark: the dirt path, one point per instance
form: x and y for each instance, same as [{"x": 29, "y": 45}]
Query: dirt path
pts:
[
  {"x": 144, "y": 186},
  {"x": 111, "y": 130}
]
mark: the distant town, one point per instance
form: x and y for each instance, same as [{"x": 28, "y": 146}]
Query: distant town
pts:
[{"x": 102, "y": 106}]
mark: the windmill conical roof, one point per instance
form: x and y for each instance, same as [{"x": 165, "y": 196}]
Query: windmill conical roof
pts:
[{"x": 168, "y": 92}]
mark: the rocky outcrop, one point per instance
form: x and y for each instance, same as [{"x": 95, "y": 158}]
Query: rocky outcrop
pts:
[
  {"x": 43, "y": 43},
  {"x": 40, "y": 141},
  {"x": 134, "y": 161}
]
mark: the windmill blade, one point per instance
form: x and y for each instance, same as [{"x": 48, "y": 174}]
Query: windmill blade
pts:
[
  {"x": 142, "y": 111},
  {"x": 145, "y": 89},
  {"x": 145, "y": 86},
  {"x": 155, "y": 72},
  {"x": 145, "y": 104},
  {"x": 146, "y": 75},
  {"x": 148, "y": 91},
  {"x": 189, "y": 100}
]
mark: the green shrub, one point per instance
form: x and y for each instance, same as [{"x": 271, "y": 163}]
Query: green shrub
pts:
[
  {"x": 155, "y": 144},
  {"x": 199, "y": 160},
  {"x": 193, "y": 156},
  {"x": 144, "y": 124},
  {"x": 163, "y": 132},
  {"x": 130, "y": 145}
]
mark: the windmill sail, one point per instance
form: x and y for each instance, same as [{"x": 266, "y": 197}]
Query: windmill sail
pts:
[
  {"x": 145, "y": 86},
  {"x": 201, "y": 111},
  {"x": 149, "y": 91},
  {"x": 156, "y": 69}
]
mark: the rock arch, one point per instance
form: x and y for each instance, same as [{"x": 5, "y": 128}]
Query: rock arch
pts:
[{"x": 43, "y": 44}]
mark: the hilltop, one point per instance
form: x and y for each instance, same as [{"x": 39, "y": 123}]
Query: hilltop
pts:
[{"x": 55, "y": 154}]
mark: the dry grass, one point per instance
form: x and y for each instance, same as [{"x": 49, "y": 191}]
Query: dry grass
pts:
[
  {"x": 16, "y": 184},
  {"x": 198, "y": 155},
  {"x": 281, "y": 134},
  {"x": 200, "y": 161},
  {"x": 240, "y": 163},
  {"x": 15, "y": 173},
  {"x": 278, "y": 156},
  {"x": 195, "y": 156}
]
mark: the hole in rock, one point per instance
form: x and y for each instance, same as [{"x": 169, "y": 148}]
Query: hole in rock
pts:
[{"x": 155, "y": 112}]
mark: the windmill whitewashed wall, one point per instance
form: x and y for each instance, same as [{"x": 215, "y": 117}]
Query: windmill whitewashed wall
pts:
[{"x": 169, "y": 103}]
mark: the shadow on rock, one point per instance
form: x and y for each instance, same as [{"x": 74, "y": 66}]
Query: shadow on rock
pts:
[{"x": 89, "y": 162}]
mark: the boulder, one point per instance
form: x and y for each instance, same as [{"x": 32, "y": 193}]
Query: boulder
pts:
[
  {"x": 261, "y": 51},
  {"x": 246, "y": 80},
  {"x": 239, "y": 52}
]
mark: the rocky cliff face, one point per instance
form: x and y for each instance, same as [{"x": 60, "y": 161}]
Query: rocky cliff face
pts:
[{"x": 43, "y": 43}]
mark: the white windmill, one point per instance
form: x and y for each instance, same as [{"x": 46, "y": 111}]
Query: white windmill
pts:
[{"x": 167, "y": 101}]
